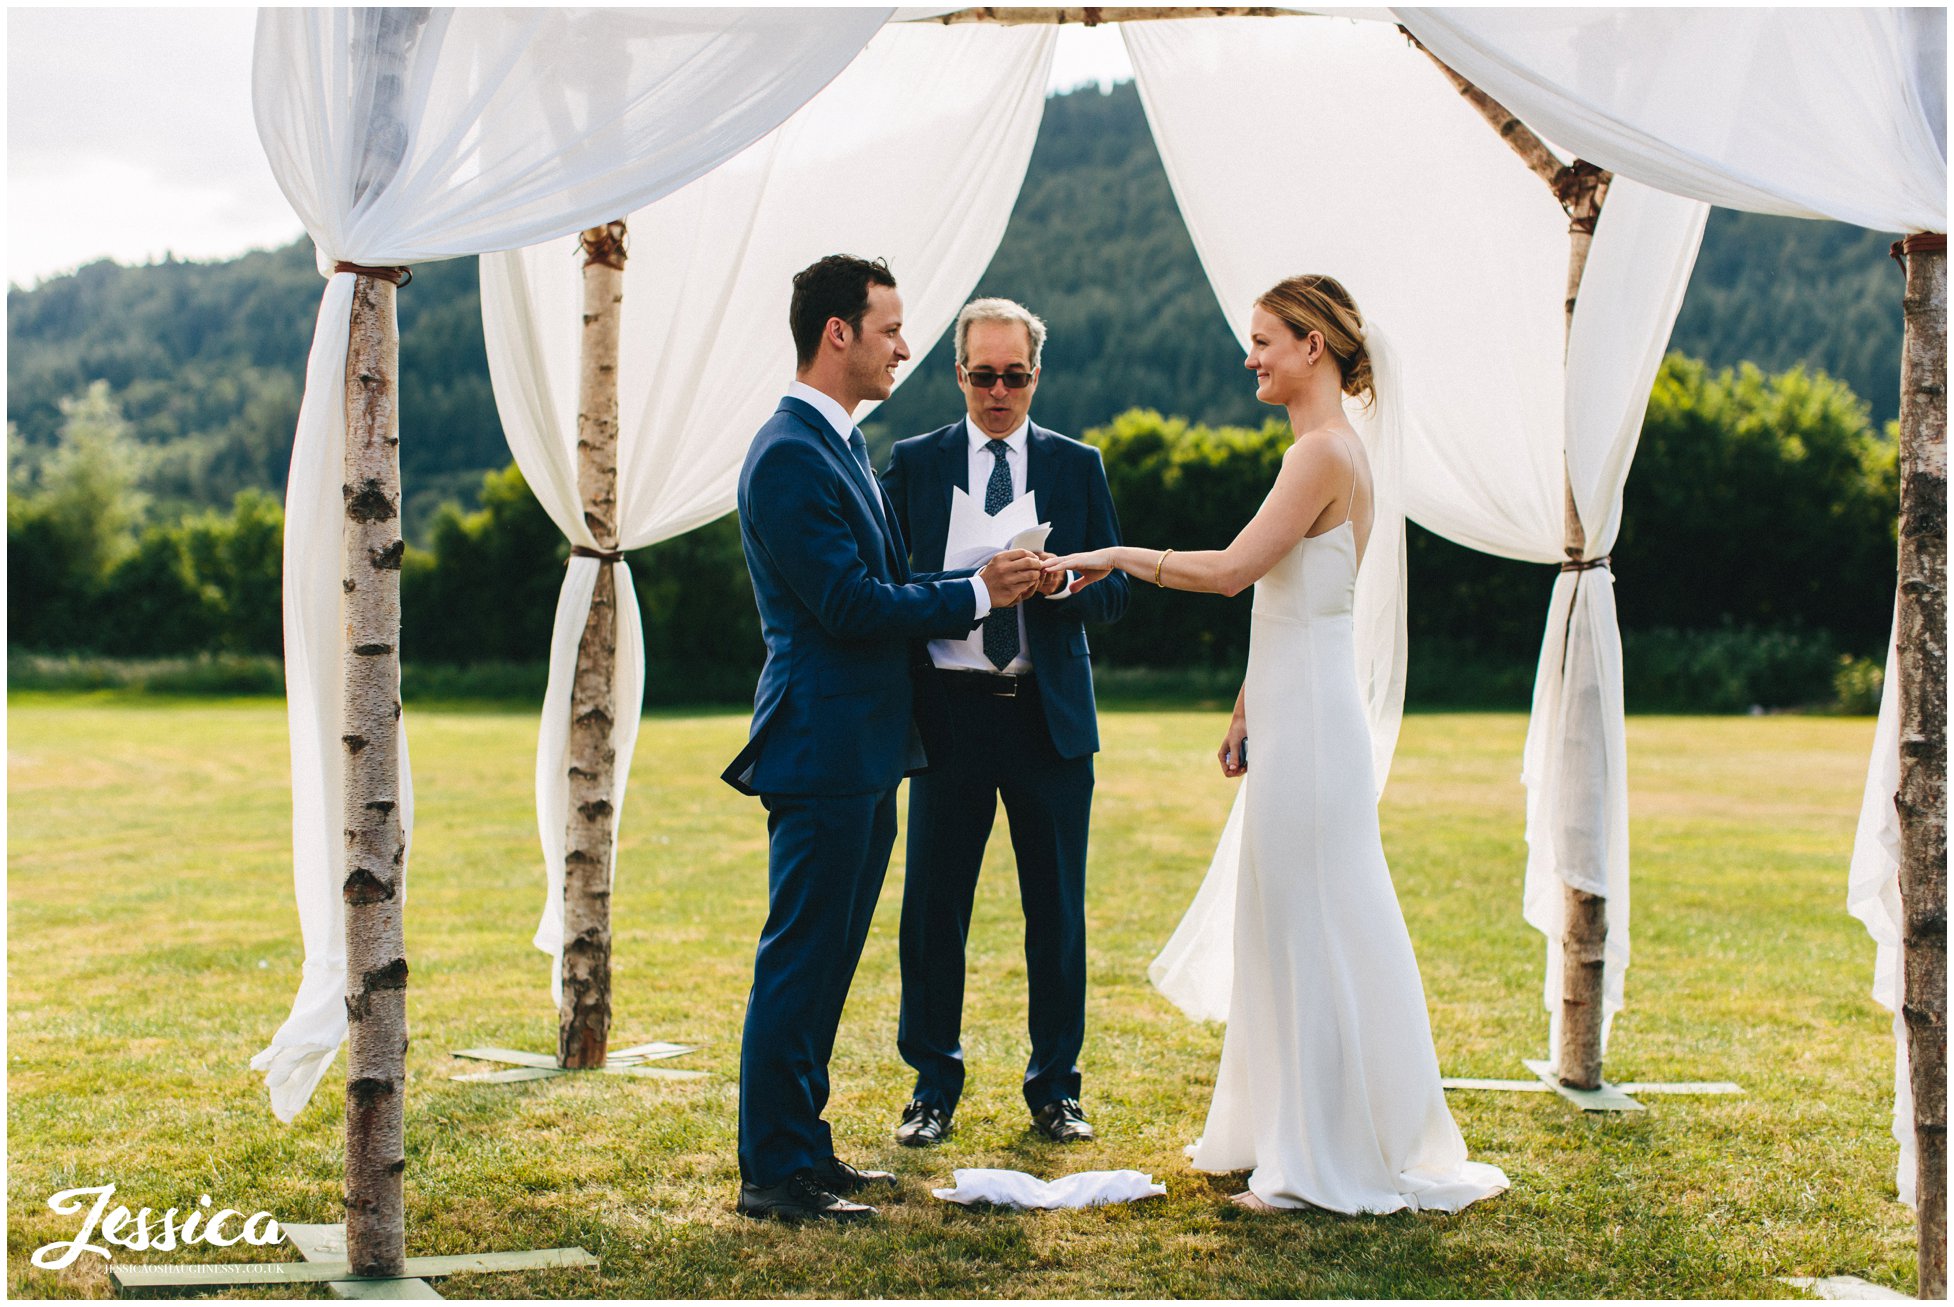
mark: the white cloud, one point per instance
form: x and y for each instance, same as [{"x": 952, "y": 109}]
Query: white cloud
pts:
[
  {"x": 129, "y": 134},
  {"x": 1089, "y": 56}
]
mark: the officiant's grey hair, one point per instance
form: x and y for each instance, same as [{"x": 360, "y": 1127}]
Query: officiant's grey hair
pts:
[{"x": 999, "y": 310}]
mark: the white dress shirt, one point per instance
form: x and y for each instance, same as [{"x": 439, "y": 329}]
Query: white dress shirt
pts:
[
  {"x": 968, "y": 654},
  {"x": 843, "y": 426}
]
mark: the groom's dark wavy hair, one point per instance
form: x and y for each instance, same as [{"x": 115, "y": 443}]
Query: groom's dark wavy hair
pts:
[{"x": 834, "y": 287}]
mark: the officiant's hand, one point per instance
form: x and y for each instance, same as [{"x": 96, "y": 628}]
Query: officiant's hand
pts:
[{"x": 1010, "y": 576}]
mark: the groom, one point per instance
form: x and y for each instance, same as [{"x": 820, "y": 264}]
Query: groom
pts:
[{"x": 833, "y": 725}]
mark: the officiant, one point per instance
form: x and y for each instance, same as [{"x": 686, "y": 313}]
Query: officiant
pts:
[{"x": 1013, "y": 704}]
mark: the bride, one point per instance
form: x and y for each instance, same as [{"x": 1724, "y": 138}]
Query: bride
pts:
[{"x": 1329, "y": 1085}]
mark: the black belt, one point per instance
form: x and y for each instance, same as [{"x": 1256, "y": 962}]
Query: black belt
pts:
[{"x": 998, "y": 684}]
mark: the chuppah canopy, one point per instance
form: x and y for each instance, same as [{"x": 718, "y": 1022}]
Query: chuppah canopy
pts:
[
  {"x": 403, "y": 135},
  {"x": 1504, "y": 403},
  {"x": 1608, "y": 409},
  {"x": 1819, "y": 113},
  {"x": 705, "y": 351},
  {"x": 1487, "y": 423}
]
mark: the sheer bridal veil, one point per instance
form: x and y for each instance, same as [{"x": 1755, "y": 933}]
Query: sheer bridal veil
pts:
[{"x": 1196, "y": 969}]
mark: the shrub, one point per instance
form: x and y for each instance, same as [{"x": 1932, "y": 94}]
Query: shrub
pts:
[
  {"x": 1857, "y": 684},
  {"x": 1729, "y": 669},
  {"x": 202, "y": 674}
]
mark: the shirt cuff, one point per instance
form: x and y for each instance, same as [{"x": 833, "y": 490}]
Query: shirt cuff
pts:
[{"x": 983, "y": 599}]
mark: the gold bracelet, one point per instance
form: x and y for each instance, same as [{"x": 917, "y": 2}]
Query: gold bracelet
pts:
[{"x": 1156, "y": 570}]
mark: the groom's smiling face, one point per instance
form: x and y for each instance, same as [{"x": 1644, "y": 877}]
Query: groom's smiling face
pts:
[
  {"x": 994, "y": 349},
  {"x": 878, "y": 347}
]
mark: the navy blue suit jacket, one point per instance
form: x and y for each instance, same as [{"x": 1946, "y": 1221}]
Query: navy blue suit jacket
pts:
[
  {"x": 1067, "y": 481},
  {"x": 834, "y": 710}
]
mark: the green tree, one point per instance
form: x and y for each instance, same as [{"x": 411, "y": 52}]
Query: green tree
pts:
[
  {"x": 153, "y": 602},
  {"x": 1763, "y": 499},
  {"x": 87, "y": 492},
  {"x": 71, "y": 523},
  {"x": 237, "y": 562},
  {"x": 486, "y": 588},
  {"x": 207, "y": 358},
  {"x": 1193, "y": 487}
]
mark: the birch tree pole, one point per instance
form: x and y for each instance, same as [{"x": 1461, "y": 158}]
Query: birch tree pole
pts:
[
  {"x": 584, "y": 1019},
  {"x": 376, "y": 947},
  {"x": 1922, "y": 797},
  {"x": 376, "y": 961},
  {"x": 1580, "y": 819}
]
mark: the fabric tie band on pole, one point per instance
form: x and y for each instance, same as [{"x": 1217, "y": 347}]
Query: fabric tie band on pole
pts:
[
  {"x": 1586, "y": 564},
  {"x": 1921, "y": 242},
  {"x": 398, "y": 276},
  {"x": 601, "y": 555},
  {"x": 609, "y": 248}
]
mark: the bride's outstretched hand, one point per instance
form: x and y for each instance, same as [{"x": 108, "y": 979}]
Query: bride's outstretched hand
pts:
[
  {"x": 1094, "y": 565},
  {"x": 1233, "y": 752}
]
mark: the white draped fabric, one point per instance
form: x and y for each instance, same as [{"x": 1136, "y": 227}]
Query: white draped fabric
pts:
[
  {"x": 1812, "y": 112},
  {"x": 1441, "y": 233},
  {"x": 1823, "y": 113},
  {"x": 403, "y": 135},
  {"x": 1873, "y": 896},
  {"x": 1576, "y": 757},
  {"x": 705, "y": 350}
]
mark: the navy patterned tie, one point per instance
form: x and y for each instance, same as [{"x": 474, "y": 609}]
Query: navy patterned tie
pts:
[
  {"x": 859, "y": 448},
  {"x": 1001, "y": 627}
]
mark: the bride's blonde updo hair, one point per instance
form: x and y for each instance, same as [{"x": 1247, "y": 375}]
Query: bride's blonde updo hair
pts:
[{"x": 1315, "y": 302}]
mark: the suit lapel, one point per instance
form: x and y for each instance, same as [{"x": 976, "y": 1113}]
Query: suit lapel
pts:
[
  {"x": 1038, "y": 471},
  {"x": 953, "y": 463},
  {"x": 851, "y": 474}
]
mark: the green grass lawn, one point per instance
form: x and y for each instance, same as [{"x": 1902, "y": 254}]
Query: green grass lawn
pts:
[{"x": 153, "y": 948}]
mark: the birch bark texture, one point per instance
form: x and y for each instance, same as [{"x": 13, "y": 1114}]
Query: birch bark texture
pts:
[
  {"x": 374, "y": 889},
  {"x": 584, "y": 1017},
  {"x": 1580, "y": 827},
  {"x": 1922, "y": 797}
]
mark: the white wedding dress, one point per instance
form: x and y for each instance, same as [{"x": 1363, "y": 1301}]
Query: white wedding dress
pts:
[{"x": 1329, "y": 1085}]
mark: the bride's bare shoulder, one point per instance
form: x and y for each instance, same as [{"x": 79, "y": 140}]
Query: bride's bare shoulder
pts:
[{"x": 1323, "y": 448}]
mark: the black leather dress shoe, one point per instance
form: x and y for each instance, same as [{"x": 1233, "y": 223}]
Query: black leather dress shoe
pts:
[
  {"x": 840, "y": 1178},
  {"x": 801, "y": 1197},
  {"x": 1063, "y": 1122},
  {"x": 922, "y": 1126}
]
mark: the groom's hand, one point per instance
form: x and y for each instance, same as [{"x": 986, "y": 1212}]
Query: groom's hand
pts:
[
  {"x": 1010, "y": 576},
  {"x": 1049, "y": 583}
]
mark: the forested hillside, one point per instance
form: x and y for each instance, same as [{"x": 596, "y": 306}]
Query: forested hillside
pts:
[{"x": 206, "y": 360}]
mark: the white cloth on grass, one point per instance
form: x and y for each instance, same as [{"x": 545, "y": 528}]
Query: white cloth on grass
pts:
[{"x": 1016, "y": 1189}]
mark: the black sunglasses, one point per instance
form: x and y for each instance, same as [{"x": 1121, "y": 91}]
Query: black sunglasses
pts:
[{"x": 985, "y": 378}]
